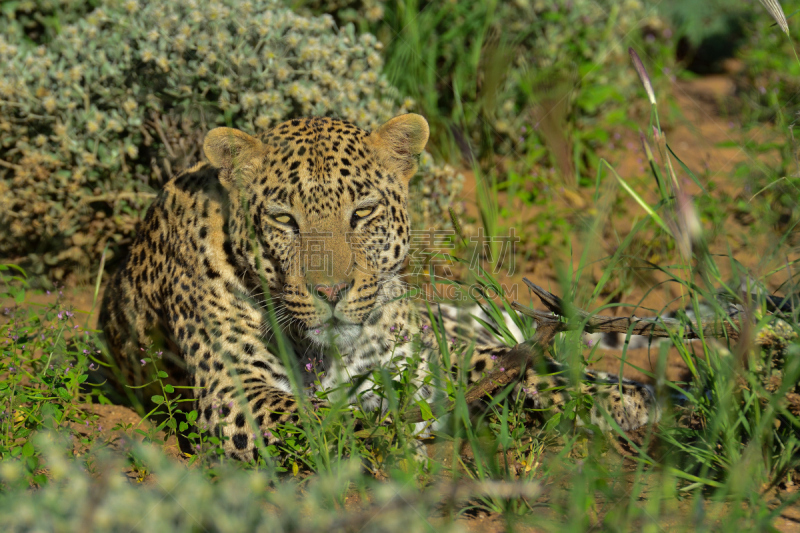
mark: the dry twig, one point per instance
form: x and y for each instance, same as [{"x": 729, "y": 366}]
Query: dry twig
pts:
[
  {"x": 562, "y": 318},
  {"x": 650, "y": 327}
]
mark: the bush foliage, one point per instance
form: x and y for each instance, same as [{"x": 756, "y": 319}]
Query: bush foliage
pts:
[
  {"x": 770, "y": 77},
  {"x": 97, "y": 119},
  {"x": 501, "y": 76},
  {"x": 187, "y": 500},
  {"x": 39, "y": 21}
]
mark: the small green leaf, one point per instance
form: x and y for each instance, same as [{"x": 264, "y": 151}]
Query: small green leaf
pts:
[
  {"x": 169, "y": 388},
  {"x": 64, "y": 393},
  {"x": 27, "y": 449},
  {"x": 192, "y": 416},
  {"x": 162, "y": 374},
  {"x": 553, "y": 422},
  {"x": 19, "y": 294},
  {"x": 157, "y": 399},
  {"x": 425, "y": 409}
]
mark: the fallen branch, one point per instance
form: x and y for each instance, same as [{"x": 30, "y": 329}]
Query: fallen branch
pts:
[
  {"x": 562, "y": 318},
  {"x": 512, "y": 363},
  {"x": 112, "y": 197},
  {"x": 661, "y": 327}
]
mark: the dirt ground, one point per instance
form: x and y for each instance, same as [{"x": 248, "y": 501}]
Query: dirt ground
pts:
[{"x": 695, "y": 137}]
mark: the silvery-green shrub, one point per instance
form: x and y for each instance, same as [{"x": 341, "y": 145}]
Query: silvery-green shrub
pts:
[{"x": 95, "y": 121}]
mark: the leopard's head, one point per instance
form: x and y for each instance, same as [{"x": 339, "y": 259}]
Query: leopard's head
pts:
[{"x": 319, "y": 212}]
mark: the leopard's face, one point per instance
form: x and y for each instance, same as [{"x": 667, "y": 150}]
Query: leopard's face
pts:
[{"x": 326, "y": 207}]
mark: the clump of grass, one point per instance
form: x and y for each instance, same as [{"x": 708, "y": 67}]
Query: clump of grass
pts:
[
  {"x": 508, "y": 77},
  {"x": 737, "y": 432},
  {"x": 45, "y": 357}
]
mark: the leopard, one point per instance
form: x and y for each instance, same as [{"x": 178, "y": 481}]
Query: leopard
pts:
[{"x": 288, "y": 248}]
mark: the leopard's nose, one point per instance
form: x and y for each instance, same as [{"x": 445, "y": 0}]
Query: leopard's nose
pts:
[{"x": 332, "y": 293}]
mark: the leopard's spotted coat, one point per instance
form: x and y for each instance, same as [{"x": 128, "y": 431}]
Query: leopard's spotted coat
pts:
[{"x": 315, "y": 213}]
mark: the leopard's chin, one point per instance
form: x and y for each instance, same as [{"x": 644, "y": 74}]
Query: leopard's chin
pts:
[{"x": 339, "y": 334}]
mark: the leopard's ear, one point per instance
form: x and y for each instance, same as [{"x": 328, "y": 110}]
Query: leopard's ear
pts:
[
  {"x": 227, "y": 148},
  {"x": 401, "y": 140}
]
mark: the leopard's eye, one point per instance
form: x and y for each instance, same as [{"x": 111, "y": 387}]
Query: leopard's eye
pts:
[
  {"x": 361, "y": 213},
  {"x": 285, "y": 219}
]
